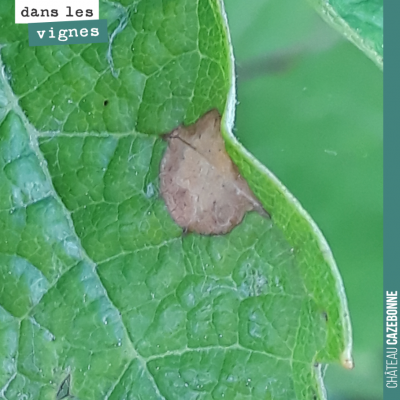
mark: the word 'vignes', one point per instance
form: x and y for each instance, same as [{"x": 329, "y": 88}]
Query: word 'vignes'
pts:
[{"x": 62, "y": 33}]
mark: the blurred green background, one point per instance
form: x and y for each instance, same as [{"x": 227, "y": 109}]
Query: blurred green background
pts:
[{"x": 310, "y": 108}]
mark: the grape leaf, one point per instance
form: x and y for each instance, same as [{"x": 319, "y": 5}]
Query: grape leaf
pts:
[
  {"x": 359, "y": 21},
  {"x": 101, "y": 295}
]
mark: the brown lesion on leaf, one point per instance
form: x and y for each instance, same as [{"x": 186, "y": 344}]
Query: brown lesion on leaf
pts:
[{"x": 202, "y": 187}]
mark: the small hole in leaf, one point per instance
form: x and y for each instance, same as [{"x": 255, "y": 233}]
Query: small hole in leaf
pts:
[
  {"x": 63, "y": 391},
  {"x": 325, "y": 316},
  {"x": 105, "y": 102},
  {"x": 314, "y": 395}
]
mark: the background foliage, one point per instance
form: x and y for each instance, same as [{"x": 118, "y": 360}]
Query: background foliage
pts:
[{"x": 311, "y": 109}]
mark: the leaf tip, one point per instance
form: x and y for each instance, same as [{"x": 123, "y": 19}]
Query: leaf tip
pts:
[{"x": 346, "y": 360}]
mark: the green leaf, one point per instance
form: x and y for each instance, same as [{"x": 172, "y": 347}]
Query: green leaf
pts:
[
  {"x": 99, "y": 288},
  {"x": 361, "y": 22}
]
